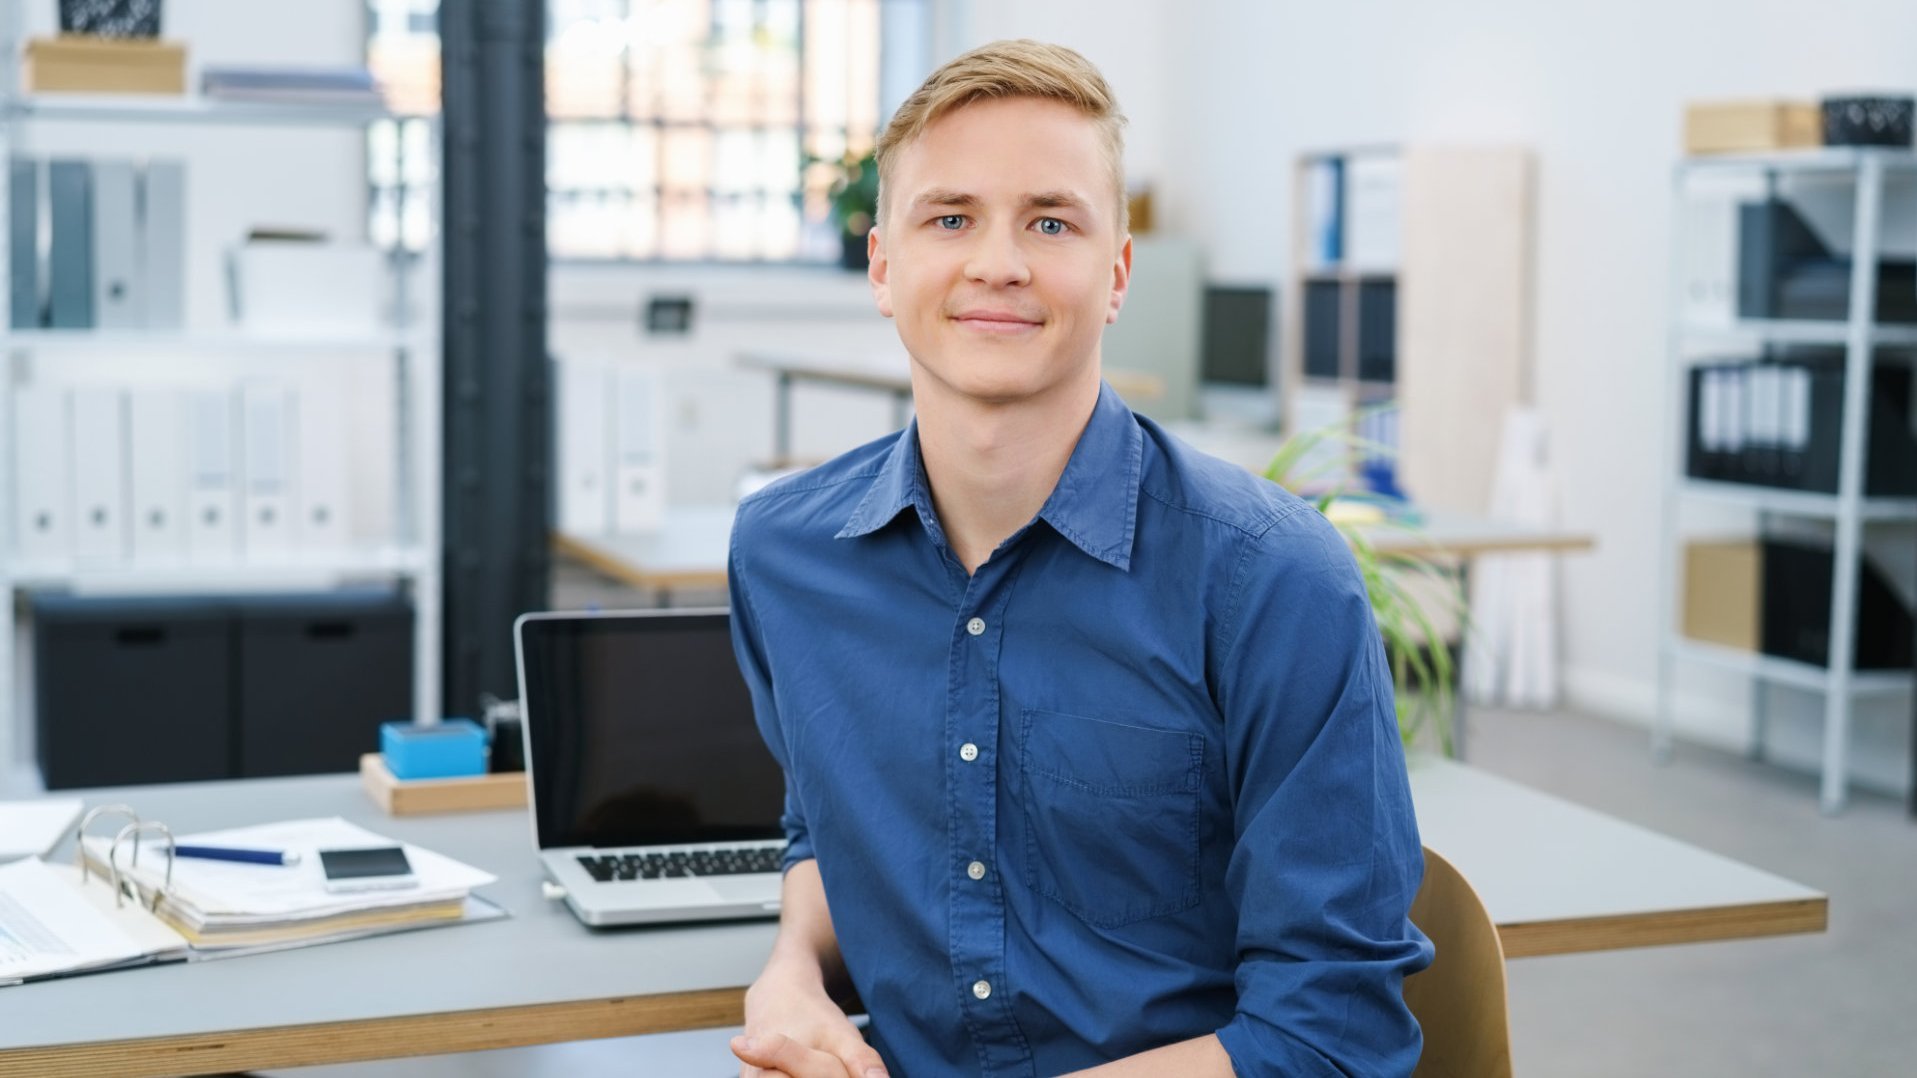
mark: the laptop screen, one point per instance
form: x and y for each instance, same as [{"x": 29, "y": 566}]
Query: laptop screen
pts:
[{"x": 640, "y": 732}]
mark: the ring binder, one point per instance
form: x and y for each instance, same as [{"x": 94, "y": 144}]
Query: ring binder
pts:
[{"x": 124, "y": 885}]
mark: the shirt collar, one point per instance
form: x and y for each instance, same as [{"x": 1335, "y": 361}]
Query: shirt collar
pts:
[{"x": 1094, "y": 506}]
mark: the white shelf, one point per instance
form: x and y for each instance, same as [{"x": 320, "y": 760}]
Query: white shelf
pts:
[
  {"x": 1790, "y": 672},
  {"x": 94, "y": 341},
  {"x": 294, "y": 571},
  {"x": 155, "y": 108},
  {"x": 1797, "y": 502},
  {"x": 1819, "y": 159},
  {"x": 1796, "y": 331}
]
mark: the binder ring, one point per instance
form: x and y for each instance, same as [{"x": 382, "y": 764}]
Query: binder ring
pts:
[
  {"x": 80, "y": 832},
  {"x": 122, "y": 886}
]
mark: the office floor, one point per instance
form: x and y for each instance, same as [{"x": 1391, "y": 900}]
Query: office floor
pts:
[{"x": 1833, "y": 1004}]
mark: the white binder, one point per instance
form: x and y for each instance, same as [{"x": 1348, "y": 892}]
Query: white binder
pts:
[
  {"x": 639, "y": 475},
  {"x": 119, "y": 294},
  {"x": 43, "y": 474},
  {"x": 323, "y": 486},
  {"x": 156, "y": 419},
  {"x": 162, "y": 245},
  {"x": 585, "y": 456},
  {"x": 99, "y": 475},
  {"x": 212, "y": 478},
  {"x": 266, "y": 465}
]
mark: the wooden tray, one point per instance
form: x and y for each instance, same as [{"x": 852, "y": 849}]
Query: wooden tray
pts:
[{"x": 422, "y": 796}]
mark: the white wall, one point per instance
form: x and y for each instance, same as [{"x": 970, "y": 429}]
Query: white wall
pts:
[{"x": 1223, "y": 95}]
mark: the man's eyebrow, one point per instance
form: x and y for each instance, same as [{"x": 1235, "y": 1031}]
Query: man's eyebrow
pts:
[{"x": 1043, "y": 200}]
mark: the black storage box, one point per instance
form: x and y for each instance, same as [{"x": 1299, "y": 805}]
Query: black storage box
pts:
[
  {"x": 1785, "y": 271},
  {"x": 1796, "y": 609},
  {"x": 132, "y": 690},
  {"x": 317, "y": 674},
  {"x": 1324, "y": 304},
  {"x": 1868, "y": 120},
  {"x": 1378, "y": 331}
]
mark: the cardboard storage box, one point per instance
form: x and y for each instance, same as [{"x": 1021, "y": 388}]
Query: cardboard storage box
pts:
[
  {"x": 86, "y": 64},
  {"x": 1723, "y": 593},
  {"x": 1751, "y": 126}
]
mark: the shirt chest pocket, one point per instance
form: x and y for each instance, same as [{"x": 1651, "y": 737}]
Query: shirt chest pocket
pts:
[{"x": 1111, "y": 814}]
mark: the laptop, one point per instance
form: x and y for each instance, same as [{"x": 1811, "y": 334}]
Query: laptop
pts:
[{"x": 653, "y": 797}]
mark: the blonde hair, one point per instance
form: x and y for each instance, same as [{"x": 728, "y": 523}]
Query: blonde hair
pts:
[{"x": 1011, "y": 69}]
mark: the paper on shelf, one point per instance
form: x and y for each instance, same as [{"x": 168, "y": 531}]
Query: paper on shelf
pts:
[{"x": 31, "y": 828}]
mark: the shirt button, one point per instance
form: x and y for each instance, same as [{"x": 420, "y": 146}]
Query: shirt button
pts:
[
  {"x": 976, "y": 870},
  {"x": 975, "y": 627},
  {"x": 968, "y": 752},
  {"x": 982, "y": 989}
]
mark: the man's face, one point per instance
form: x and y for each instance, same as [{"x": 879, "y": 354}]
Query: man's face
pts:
[{"x": 998, "y": 255}]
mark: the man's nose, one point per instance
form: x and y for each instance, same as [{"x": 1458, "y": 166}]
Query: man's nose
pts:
[{"x": 997, "y": 259}]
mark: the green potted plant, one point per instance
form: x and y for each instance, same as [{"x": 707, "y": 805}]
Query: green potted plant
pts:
[
  {"x": 1422, "y": 665},
  {"x": 855, "y": 206}
]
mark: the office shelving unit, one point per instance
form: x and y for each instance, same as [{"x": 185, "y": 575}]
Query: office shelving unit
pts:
[
  {"x": 409, "y": 556},
  {"x": 1847, "y": 512}
]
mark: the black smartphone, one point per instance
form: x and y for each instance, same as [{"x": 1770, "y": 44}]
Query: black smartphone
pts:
[{"x": 376, "y": 868}]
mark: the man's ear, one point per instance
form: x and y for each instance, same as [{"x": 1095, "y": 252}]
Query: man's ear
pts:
[
  {"x": 876, "y": 270},
  {"x": 1121, "y": 280}
]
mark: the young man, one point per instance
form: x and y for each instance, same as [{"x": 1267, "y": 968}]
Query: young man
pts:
[{"x": 1089, "y": 745}]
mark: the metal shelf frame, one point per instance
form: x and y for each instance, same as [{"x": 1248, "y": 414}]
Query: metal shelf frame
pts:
[
  {"x": 1848, "y": 510},
  {"x": 411, "y": 557}
]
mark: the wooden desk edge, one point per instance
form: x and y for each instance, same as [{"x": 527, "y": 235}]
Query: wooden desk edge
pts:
[
  {"x": 380, "y": 1038},
  {"x": 625, "y": 572},
  {"x": 1411, "y": 543},
  {"x": 1580, "y": 935}
]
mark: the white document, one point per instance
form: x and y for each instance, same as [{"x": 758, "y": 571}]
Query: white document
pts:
[
  {"x": 48, "y": 925},
  {"x": 31, "y": 828},
  {"x": 266, "y": 469},
  {"x": 585, "y": 456},
  {"x": 1796, "y": 409},
  {"x": 43, "y": 474},
  {"x": 1732, "y": 413},
  {"x": 1710, "y": 410},
  {"x": 212, "y": 478},
  {"x": 99, "y": 475},
  {"x": 156, "y": 418},
  {"x": 1374, "y": 196},
  {"x": 119, "y": 294},
  {"x": 639, "y": 475},
  {"x": 323, "y": 489}
]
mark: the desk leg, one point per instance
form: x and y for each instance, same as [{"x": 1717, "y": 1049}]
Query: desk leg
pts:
[{"x": 782, "y": 421}]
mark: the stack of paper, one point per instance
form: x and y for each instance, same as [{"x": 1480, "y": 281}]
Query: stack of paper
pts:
[{"x": 221, "y": 904}]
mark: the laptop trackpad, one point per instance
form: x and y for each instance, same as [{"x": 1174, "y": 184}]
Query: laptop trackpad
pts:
[{"x": 752, "y": 889}]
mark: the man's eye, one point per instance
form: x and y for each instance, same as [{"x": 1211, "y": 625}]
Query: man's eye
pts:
[
  {"x": 952, "y": 222},
  {"x": 1051, "y": 226}
]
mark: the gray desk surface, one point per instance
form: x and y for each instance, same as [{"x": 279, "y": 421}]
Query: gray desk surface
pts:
[{"x": 1556, "y": 877}]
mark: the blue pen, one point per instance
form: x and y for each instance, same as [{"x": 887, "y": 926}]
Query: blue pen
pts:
[{"x": 228, "y": 853}]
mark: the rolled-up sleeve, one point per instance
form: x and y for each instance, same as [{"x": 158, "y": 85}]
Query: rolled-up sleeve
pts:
[
  {"x": 1326, "y": 858},
  {"x": 748, "y": 645}
]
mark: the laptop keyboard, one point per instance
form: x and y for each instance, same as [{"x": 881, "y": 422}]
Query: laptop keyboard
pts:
[{"x": 654, "y": 866}]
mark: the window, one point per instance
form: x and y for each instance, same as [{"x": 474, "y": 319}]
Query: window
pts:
[{"x": 679, "y": 130}]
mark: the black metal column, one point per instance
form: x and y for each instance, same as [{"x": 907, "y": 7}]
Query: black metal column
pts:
[{"x": 497, "y": 437}]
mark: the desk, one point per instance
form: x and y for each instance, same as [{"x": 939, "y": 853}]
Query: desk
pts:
[
  {"x": 1557, "y": 878},
  {"x": 688, "y": 550},
  {"x": 887, "y": 371}
]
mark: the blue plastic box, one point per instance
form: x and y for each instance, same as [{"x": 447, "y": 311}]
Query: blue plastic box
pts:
[{"x": 453, "y": 749}]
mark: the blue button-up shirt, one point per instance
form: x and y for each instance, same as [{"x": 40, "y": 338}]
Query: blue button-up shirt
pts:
[{"x": 1135, "y": 780}]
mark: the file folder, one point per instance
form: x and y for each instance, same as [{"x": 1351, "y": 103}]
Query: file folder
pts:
[
  {"x": 23, "y": 243},
  {"x": 118, "y": 299},
  {"x": 99, "y": 475},
  {"x": 43, "y": 475},
  {"x": 163, "y": 244},
  {"x": 70, "y": 257},
  {"x": 212, "y": 477},
  {"x": 585, "y": 493},
  {"x": 324, "y": 483},
  {"x": 156, "y": 418},
  {"x": 639, "y": 492},
  {"x": 266, "y": 465}
]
